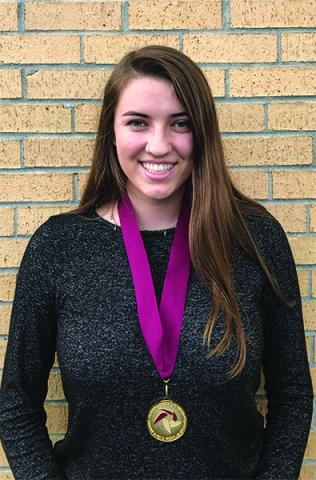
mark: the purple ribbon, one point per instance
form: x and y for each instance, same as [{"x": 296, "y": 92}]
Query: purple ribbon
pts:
[{"x": 161, "y": 329}]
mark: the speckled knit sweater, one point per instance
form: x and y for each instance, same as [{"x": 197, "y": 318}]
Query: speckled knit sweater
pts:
[{"x": 75, "y": 295}]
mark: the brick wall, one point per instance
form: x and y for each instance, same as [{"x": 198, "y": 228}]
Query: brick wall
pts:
[{"x": 259, "y": 58}]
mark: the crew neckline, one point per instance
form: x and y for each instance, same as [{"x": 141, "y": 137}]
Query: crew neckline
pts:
[{"x": 118, "y": 227}]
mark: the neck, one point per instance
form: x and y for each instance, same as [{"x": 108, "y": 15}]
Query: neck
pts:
[{"x": 155, "y": 214}]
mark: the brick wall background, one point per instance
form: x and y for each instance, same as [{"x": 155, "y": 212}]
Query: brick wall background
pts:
[{"x": 259, "y": 58}]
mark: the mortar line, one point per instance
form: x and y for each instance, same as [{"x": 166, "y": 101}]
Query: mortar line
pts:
[{"x": 21, "y": 17}]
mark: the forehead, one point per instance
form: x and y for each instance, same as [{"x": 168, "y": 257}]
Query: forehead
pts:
[{"x": 142, "y": 92}]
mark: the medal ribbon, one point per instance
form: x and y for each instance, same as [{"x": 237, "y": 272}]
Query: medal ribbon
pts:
[{"x": 161, "y": 329}]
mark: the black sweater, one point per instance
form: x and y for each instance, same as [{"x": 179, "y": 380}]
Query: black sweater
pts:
[{"x": 75, "y": 295}]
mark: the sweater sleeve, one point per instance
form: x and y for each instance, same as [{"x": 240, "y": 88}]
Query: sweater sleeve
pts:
[
  {"x": 29, "y": 357},
  {"x": 287, "y": 376}
]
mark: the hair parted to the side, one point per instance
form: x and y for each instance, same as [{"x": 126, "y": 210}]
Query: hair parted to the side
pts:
[{"x": 218, "y": 208}]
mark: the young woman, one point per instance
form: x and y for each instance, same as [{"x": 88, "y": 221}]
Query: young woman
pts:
[{"x": 165, "y": 293}]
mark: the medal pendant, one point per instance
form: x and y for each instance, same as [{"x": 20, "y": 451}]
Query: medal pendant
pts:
[{"x": 166, "y": 420}]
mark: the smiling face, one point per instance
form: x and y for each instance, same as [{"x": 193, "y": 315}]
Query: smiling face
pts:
[{"x": 154, "y": 141}]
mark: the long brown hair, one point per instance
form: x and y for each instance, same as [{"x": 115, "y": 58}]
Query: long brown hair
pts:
[{"x": 218, "y": 209}]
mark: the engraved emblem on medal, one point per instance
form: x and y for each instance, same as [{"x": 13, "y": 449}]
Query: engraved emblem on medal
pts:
[{"x": 166, "y": 419}]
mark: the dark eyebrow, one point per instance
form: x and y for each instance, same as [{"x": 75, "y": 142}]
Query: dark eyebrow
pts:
[{"x": 138, "y": 114}]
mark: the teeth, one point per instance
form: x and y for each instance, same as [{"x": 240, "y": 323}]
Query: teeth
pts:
[{"x": 152, "y": 167}]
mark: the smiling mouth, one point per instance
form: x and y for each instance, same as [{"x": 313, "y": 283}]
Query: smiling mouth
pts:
[{"x": 157, "y": 168}]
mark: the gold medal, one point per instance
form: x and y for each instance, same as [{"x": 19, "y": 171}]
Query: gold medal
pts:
[{"x": 166, "y": 419}]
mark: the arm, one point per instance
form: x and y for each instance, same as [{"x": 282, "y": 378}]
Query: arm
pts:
[
  {"x": 29, "y": 358},
  {"x": 285, "y": 364}
]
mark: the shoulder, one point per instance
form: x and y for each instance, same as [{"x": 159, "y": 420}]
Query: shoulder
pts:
[
  {"x": 62, "y": 224},
  {"x": 52, "y": 228},
  {"x": 272, "y": 242},
  {"x": 50, "y": 242},
  {"x": 266, "y": 230},
  {"x": 55, "y": 231}
]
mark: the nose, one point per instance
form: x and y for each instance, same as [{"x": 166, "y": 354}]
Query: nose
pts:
[{"x": 158, "y": 143}]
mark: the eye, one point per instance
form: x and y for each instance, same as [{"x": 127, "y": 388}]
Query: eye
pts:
[
  {"x": 136, "y": 123},
  {"x": 183, "y": 124}
]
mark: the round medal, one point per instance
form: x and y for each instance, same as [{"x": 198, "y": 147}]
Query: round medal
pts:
[{"x": 166, "y": 420}]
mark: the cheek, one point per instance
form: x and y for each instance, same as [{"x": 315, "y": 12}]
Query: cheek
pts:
[
  {"x": 128, "y": 145},
  {"x": 185, "y": 146}
]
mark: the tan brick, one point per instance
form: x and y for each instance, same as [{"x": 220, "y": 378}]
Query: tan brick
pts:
[
  {"x": 276, "y": 81},
  {"x": 57, "y": 418},
  {"x": 231, "y": 48},
  {"x": 30, "y": 218},
  {"x": 308, "y": 472},
  {"x": 3, "y": 461},
  {"x": 35, "y": 118},
  {"x": 313, "y": 375},
  {"x": 11, "y": 253},
  {"x": 309, "y": 314},
  {"x": 60, "y": 16},
  {"x": 253, "y": 184},
  {"x": 3, "y": 348},
  {"x": 303, "y": 282},
  {"x": 308, "y": 346},
  {"x": 111, "y": 48},
  {"x": 7, "y": 286},
  {"x": 279, "y": 13},
  {"x": 313, "y": 218},
  {"x": 299, "y": 47},
  {"x": 82, "y": 180},
  {"x": 87, "y": 118},
  {"x": 55, "y": 389},
  {"x": 310, "y": 453},
  {"x": 5, "y": 316},
  {"x": 292, "y": 116},
  {"x": 6, "y": 221},
  {"x": 8, "y": 17},
  {"x": 53, "y": 84},
  {"x": 6, "y": 475},
  {"x": 10, "y": 83},
  {"x": 216, "y": 81},
  {"x": 292, "y": 217},
  {"x": 294, "y": 184},
  {"x": 240, "y": 118},
  {"x": 313, "y": 283},
  {"x": 36, "y": 187},
  {"x": 268, "y": 150},
  {"x": 9, "y": 154},
  {"x": 39, "y": 49},
  {"x": 304, "y": 249},
  {"x": 58, "y": 152},
  {"x": 173, "y": 14}
]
